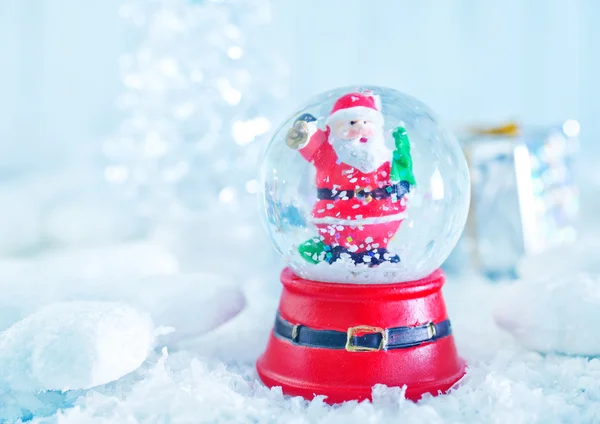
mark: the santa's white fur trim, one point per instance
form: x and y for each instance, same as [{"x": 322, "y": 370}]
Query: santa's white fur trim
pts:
[
  {"x": 363, "y": 221},
  {"x": 358, "y": 112}
]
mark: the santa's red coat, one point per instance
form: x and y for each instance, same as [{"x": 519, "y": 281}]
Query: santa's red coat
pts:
[{"x": 336, "y": 175}]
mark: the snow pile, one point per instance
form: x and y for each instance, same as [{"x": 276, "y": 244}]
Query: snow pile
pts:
[
  {"x": 74, "y": 345},
  {"x": 222, "y": 320},
  {"x": 21, "y": 223},
  {"x": 127, "y": 260},
  {"x": 73, "y": 207},
  {"x": 554, "y": 315},
  {"x": 505, "y": 383},
  {"x": 556, "y": 306},
  {"x": 213, "y": 380},
  {"x": 80, "y": 318},
  {"x": 140, "y": 274},
  {"x": 521, "y": 388}
]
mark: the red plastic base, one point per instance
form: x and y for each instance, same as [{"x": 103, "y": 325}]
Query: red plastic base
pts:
[{"x": 341, "y": 375}]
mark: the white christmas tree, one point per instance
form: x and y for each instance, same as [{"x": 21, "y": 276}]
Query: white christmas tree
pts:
[
  {"x": 198, "y": 96},
  {"x": 200, "y": 93}
]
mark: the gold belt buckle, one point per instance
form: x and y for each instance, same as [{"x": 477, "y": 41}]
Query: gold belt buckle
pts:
[
  {"x": 352, "y": 331},
  {"x": 431, "y": 330},
  {"x": 368, "y": 197},
  {"x": 295, "y": 333}
]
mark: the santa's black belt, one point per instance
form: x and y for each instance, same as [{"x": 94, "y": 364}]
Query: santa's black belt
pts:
[
  {"x": 399, "y": 190},
  {"x": 362, "y": 338}
]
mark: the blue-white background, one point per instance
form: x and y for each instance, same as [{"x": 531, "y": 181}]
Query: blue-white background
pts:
[
  {"x": 63, "y": 235},
  {"x": 471, "y": 61}
]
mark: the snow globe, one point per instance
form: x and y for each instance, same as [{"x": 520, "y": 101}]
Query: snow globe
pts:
[{"x": 364, "y": 194}]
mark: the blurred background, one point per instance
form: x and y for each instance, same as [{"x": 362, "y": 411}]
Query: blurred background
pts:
[
  {"x": 140, "y": 104},
  {"x": 469, "y": 62},
  {"x": 130, "y": 137}
]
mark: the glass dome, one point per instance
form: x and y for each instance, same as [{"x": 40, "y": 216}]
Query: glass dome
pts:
[{"x": 364, "y": 185}]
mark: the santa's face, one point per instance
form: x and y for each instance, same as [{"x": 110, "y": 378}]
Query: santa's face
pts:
[{"x": 360, "y": 143}]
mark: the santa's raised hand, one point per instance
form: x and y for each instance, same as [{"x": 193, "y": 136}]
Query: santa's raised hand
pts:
[{"x": 301, "y": 131}]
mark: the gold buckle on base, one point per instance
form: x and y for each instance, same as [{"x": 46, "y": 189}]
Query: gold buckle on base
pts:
[{"x": 350, "y": 347}]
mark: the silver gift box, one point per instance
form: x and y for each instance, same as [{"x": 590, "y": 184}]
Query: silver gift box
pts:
[{"x": 524, "y": 196}]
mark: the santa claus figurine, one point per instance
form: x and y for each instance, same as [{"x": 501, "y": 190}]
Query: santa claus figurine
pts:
[{"x": 361, "y": 183}]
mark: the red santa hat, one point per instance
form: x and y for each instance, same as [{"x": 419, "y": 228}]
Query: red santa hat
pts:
[{"x": 356, "y": 105}]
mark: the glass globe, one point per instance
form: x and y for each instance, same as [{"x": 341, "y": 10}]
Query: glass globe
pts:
[{"x": 364, "y": 185}]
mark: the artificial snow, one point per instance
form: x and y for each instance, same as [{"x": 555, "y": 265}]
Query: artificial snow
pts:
[
  {"x": 89, "y": 218},
  {"x": 72, "y": 207},
  {"x": 345, "y": 270},
  {"x": 77, "y": 283},
  {"x": 20, "y": 225},
  {"x": 221, "y": 321},
  {"x": 214, "y": 381},
  {"x": 74, "y": 345},
  {"x": 211, "y": 378},
  {"x": 186, "y": 390},
  {"x": 143, "y": 275},
  {"x": 554, "y": 315},
  {"x": 555, "y": 308}
]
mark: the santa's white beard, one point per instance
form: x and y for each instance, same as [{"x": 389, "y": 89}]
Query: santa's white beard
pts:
[{"x": 366, "y": 157}]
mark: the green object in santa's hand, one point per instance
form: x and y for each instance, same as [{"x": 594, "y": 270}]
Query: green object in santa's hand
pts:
[
  {"x": 402, "y": 161},
  {"x": 312, "y": 250}
]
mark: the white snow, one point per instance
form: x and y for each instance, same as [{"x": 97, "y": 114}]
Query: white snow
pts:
[
  {"x": 222, "y": 313},
  {"x": 72, "y": 207},
  {"x": 88, "y": 219},
  {"x": 20, "y": 226},
  {"x": 554, "y": 315},
  {"x": 214, "y": 380},
  {"x": 556, "y": 308},
  {"x": 346, "y": 271},
  {"x": 74, "y": 345}
]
